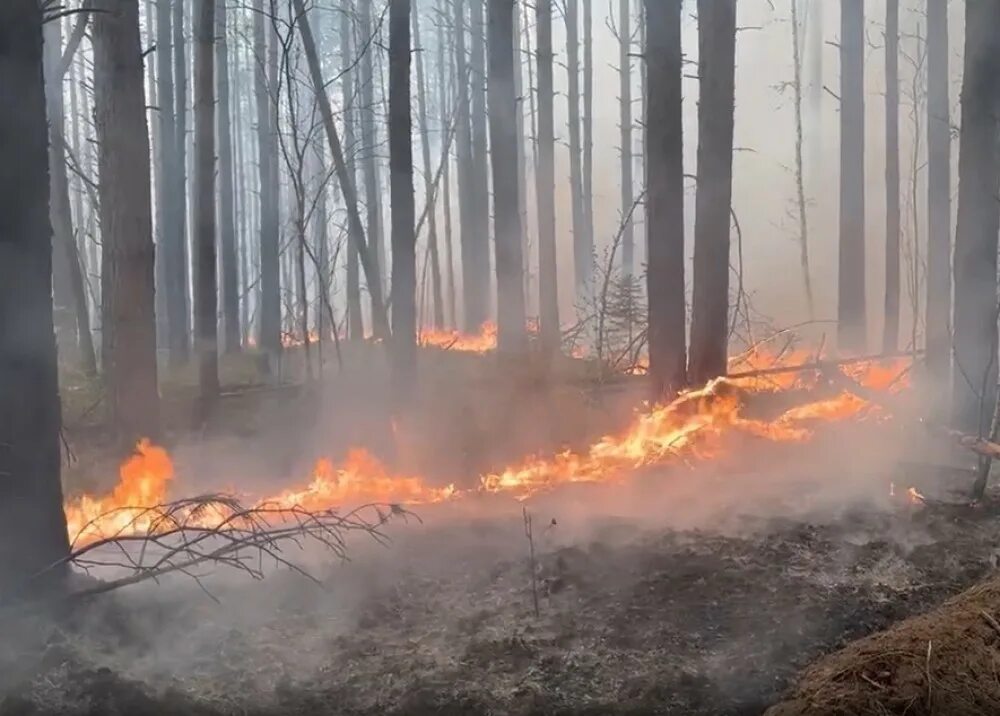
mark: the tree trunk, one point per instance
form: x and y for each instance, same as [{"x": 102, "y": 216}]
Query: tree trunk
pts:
[
  {"x": 32, "y": 523},
  {"x": 404, "y": 260},
  {"x": 355, "y": 321},
  {"x": 356, "y": 230},
  {"x": 587, "y": 177},
  {"x": 227, "y": 216},
  {"x": 975, "y": 339},
  {"x": 446, "y": 174},
  {"x": 522, "y": 182},
  {"x": 477, "y": 281},
  {"x": 710, "y": 304},
  {"x": 463, "y": 132},
  {"x": 800, "y": 187},
  {"x": 938, "y": 320},
  {"x": 128, "y": 324},
  {"x": 180, "y": 347},
  {"x": 548, "y": 283},
  {"x": 625, "y": 121},
  {"x": 665, "y": 199},
  {"x": 890, "y": 333},
  {"x": 369, "y": 145},
  {"x": 166, "y": 182},
  {"x": 423, "y": 90},
  {"x": 852, "y": 319},
  {"x": 582, "y": 254},
  {"x": 205, "y": 294},
  {"x": 511, "y": 336}
]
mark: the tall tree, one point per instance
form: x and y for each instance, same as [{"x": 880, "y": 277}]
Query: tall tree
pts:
[
  {"x": 404, "y": 260},
  {"x": 511, "y": 337},
  {"x": 548, "y": 290},
  {"x": 890, "y": 332},
  {"x": 477, "y": 281},
  {"x": 227, "y": 217},
  {"x": 665, "y": 198},
  {"x": 625, "y": 122},
  {"x": 975, "y": 338},
  {"x": 369, "y": 141},
  {"x": 587, "y": 172},
  {"x": 938, "y": 321},
  {"x": 355, "y": 321},
  {"x": 180, "y": 340},
  {"x": 582, "y": 254},
  {"x": 800, "y": 180},
  {"x": 128, "y": 326},
  {"x": 716, "y": 98},
  {"x": 32, "y": 522},
  {"x": 445, "y": 122},
  {"x": 205, "y": 293},
  {"x": 169, "y": 312},
  {"x": 852, "y": 319},
  {"x": 463, "y": 136},
  {"x": 423, "y": 91}
]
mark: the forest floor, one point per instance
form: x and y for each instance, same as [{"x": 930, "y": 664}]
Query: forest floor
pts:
[{"x": 686, "y": 590}]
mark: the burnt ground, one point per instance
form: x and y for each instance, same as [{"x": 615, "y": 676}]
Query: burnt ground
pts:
[{"x": 632, "y": 620}]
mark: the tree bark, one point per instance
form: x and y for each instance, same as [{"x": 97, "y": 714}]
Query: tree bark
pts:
[
  {"x": 975, "y": 339},
  {"x": 665, "y": 199},
  {"x": 582, "y": 254},
  {"x": 852, "y": 319},
  {"x": 625, "y": 122},
  {"x": 800, "y": 187},
  {"x": 890, "y": 332},
  {"x": 710, "y": 304},
  {"x": 180, "y": 339},
  {"x": 355, "y": 321},
  {"x": 477, "y": 281},
  {"x": 548, "y": 288},
  {"x": 938, "y": 319},
  {"x": 511, "y": 336},
  {"x": 423, "y": 90},
  {"x": 587, "y": 175},
  {"x": 227, "y": 216},
  {"x": 404, "y": 260},
  {"x": 369, "y": 146},
  {"x": 128, "y": 325},
  {"x": 205, "y": 293},
  {"x": 446, "y": 173},
  {"x": 32, "y": 523}
]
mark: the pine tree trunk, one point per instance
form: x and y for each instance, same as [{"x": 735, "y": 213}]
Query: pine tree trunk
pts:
[
  {"x": 423, "y": 91},
  {"x": 522, "y": 182},
  {"x": 32, "y": 523},
  {"x": 710, "y": 304},
  {"x": 800, "y": 187},
  {"x": 369, "y": 144},
  {"x": 548, "y": 283},
  {"x": 404, "y": 261},
  {"x": 582, "y": 255},
  {"x": 587, "y": 176},
  {"x": 511, "y": 336},
  {"x": 665, "y": 198},
  {"x": 975, "y": 338},
  {"x": 477, "y": 283},
  {"x": 938, "y": 319},
  {"x": 128, "y": 325},
  {"x": 444, "y": 107},
  {"x": 166, "y": 182},
  {"x": 205, "y": 293},
  {"x": 227, "y": 216},
  {"x": 180, "y": 346},
  {"x": 890, "y": 333},
  {"x": 463, "y": 135},
  {"x": 355, "y": 321},
  {"x": 852, "y": 319},
  {"x": 625, "y": 122}
]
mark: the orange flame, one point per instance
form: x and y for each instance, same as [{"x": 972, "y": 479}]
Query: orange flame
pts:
[{"x": 482, "y": 342}]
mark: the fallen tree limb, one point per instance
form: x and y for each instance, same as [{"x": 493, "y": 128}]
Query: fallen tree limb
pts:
[{"x": 820, "y": 365}]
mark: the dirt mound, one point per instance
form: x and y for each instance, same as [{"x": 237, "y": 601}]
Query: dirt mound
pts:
[{"x": 944, "y": 662}]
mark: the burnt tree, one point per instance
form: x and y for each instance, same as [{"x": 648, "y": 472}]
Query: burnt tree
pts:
[
  {"x": 548, "y": 290},
  {"x": 511, "y": 336},
  {"x": 665, "y": 198},
  {"x": 851, "y": 316},
  {"x": 128, "y": 324},
  {"x": 32, "y": 523},
  {"x": 716, "y": 80},
  {"x": 975, "y": 337}
]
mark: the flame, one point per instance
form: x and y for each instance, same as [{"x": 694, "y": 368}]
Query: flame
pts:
[
  {"x": 482, "y": 342},
  {"x": 694, "y": 426}
]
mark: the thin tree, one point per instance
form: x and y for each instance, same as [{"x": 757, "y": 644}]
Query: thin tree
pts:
[
  {"x": 128, "y": 325},
  {"x": 582, "y": 253},
  {"x": 227, "y": 216},
  {"x": 852, "y": 319},
  {"x": 404, "y": 261},
  {"x": 369, "y": 143},
  {"x": 890, "y": 333},
  {"x": 938, "y": 320},
  {"x": 355, "y": 321},
  {"x": 665, "y": 198},
  {"x": 587, "y": 172},
  {"x": 167, "y": 268},
  {"x": 800, "y": 188},
  {"x": 32, "y": 522},
  {"x": 444, "y": 112},
  {"x": 625, "y": 126},
  {"x": 180, "y": 339},
  {"x": 975, "y": 338},
  {"x": 511, "y": 337},
  {"x": 423, "y": 91},
  {"x": 205, "y": 293},
  {"x": 548, "y": 289},
  {"x": 716, "y": 80},
  {"x": 476, "y": 279}
]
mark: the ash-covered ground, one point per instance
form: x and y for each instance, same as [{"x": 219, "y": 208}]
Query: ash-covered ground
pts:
[{"x": 679, "y": 591}]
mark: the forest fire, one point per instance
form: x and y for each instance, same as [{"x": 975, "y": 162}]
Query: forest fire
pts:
[
  {"x": 482, "y": 342},
  {"x": 693, "y": 427}
]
